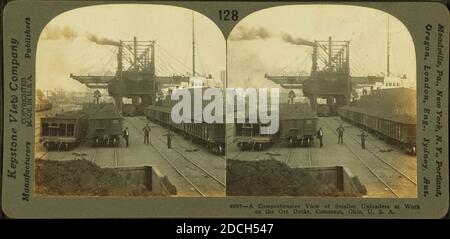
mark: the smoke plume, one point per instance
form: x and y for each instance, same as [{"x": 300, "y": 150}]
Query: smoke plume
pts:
[
  {"x": 243, "y": 33},
  {"x": 296, "y": 41},
  {"x": 102, "y": 40},
  {"x": 56, "y": 33}
]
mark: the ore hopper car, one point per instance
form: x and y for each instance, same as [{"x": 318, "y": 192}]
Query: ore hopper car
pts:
[
  {"x": 298, "y": 124},
  {"x": 99, "y": 123},
  {"x": 249, "y": 136},
  {"x": 42, "y": 105},
  {"x": 212, "y": 136},
  {"x": 129, "y": 110},
  {"x": 389, "y": 114},
  {"x": 105, "y": 125},
  {"x": 325, "y": 110},
  {"x": 63, "y": 130}
]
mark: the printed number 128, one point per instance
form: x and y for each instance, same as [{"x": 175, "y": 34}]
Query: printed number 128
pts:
[{"x": 228, "y": 15}]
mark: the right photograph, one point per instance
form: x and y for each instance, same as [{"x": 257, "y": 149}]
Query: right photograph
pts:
[{"x": 323, "y": 106}]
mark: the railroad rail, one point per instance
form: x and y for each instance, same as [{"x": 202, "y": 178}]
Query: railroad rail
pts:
[
  {"x": 93, "y": 156},
  {"x": 394, "y": 192},
  {"x": 382, "y": 160},
  {"x": 193, "y": 163},
  {"x": 236, "y": 155},
  {"x": 43, "y": 154},
  {"x": 309, "y": 156},
  {"x": 288, "y": 157},
  {"x": 116, "y": 161},
  {"x": 177, "y": 169}
]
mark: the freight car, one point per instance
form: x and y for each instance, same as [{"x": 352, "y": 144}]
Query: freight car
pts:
[
  {"x": 389, "y": 114},
  {"x": 298, "y": 127},
  {"x": 105, "y": 125},
  {"x": 42, "y": 105},
  {"x": 249, "y": 136},
  {"x": 325, "y": 110},
  {"x": 129, "y": 110},
  {"x": 298, "y": 124},
  {"x": 212, "y": 136},
  {"x": 64, "y": 130},
  {"x": 98, "y": 123}
]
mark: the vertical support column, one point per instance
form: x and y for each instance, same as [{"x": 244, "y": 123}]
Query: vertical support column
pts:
[
  {"x": 313, "y": 102},
  {"x": 136, "y": 66},
  {"x": 193, "y": 45},
  {"x": 330, "y": 64},
  {"x": 118, "y": 98},
  {"x": 347, "y": 57},
  {"x": 314, "y": 60},
  {"x": 152, "y": 57},
  {"x": 349, "y": 83},
  {"x": 153, "y": 72},
  {"x": 388, "y": 45}
]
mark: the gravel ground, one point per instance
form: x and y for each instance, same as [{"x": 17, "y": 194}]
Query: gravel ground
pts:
[
  {"x": 84, "y": 178},
  {"x": 274, "y": 178}
]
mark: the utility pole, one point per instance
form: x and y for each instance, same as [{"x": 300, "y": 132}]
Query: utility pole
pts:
[
  {"x": 119, "y": 71},
  {"x": 388, "y": 43},
  {"x": 330, "y": 51},
  {"x": 136, "y": 68},
  {"x": 193, "y": 45}
]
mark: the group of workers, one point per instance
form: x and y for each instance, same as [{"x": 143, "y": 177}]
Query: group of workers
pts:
[
  {"x": 340, "y": 131},
  {"x": 146, "y": 130}
]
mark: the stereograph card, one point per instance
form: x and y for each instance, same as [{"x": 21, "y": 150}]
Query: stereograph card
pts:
[{"x": 119, "y": 109}]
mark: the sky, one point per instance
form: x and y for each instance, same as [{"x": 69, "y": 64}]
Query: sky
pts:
[
  {"x": 256, "y": 45},
  {"x": 64, "y": 46}
]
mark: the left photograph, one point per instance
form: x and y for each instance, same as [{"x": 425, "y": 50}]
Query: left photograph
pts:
[{"x": 108, "y": 81}]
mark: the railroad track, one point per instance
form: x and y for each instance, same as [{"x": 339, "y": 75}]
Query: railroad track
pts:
[
  {"x": 179, "y": 151},
  {"x": 308, "y": 155},
  {"x": 186, "y": 159},
  {"x": 236, "y": 155},
  {"x": 394, "y": 192},
  {"x": 116, "y": 160},
  {"x": 288, "y": 157},
  {"x": 93, "y": 156},
  {"x": 382, "y": 160},
  {"x": 42, "y": 155}
]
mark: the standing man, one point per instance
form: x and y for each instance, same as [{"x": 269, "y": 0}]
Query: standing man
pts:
[
  {"x": 291, "y": 96},
  {"x": 320, "y": 136},
  {"x": 363, "y": 136},
  {"x": 146, "y": 130},
  {"x": 126, "y": 135},
  {"x": 169, "y": 139},
  {"x": 340, "y": 131}
]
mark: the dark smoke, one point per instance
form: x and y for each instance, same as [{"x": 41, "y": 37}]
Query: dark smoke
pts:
[
  {"x": 243, "y": 33},
  {"x": 102, "y": 41},
  {"x": 296, "y": 41},
  {"x": 56, "y": 33}
]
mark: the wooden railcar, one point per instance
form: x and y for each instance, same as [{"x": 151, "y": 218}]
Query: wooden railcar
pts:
[
  {"x": 249, "y": 136},
  {"x": 104, "y": 125},
  {"x": 98, "y": 123},
  {"x": 298, "y": 124},
  {"x": 394, "y": 130},
  {"x": 389, "y": 114},
  {"x": 325, "y": 110},
  {"x": 63, "y": 130},
  {"x": 212, "y": 136}
]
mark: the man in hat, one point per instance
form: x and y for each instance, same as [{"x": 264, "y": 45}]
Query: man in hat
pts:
[
  {"x": 340, "y": 131},
  {"x": 146, "y": 130},
  {"x": 363, "y": 136},
  {"x": 169, "y": 139},
  {"x": 320, "y": 136},
  {"x": 126, "y": 135}
]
